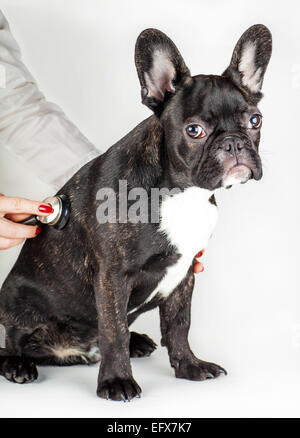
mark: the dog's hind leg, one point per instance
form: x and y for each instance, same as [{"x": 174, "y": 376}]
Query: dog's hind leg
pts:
[
  {"x": 63, "y": 344},
  {"x": 70, "y": 353},
  {"x": 67, "y": 356},
  {"x": 52, "y": 344},
  {"x": 18, "y": 369},
  {"x": 13, "y": 365},
  {"x": 140, "y": 345}
]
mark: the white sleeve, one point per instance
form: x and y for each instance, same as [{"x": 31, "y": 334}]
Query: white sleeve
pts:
[{"x": 31, "y": 128}]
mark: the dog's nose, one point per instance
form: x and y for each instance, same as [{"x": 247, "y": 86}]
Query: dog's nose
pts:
[{"x": 233, "y": 145}]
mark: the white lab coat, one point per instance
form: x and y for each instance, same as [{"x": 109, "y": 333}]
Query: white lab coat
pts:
[{"x": 31, "y": 128}]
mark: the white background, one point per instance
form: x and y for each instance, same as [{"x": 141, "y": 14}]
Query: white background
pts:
[{"x": 246, "y": 305}]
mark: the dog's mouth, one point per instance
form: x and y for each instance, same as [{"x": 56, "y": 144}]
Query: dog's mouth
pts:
[{"x": 237, "y": 174}]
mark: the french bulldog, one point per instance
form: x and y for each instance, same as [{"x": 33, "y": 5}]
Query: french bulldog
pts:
[{"x": 72, "y": 295}]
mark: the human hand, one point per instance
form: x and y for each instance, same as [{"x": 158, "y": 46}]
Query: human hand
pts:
[
  {"x": 13, "y": 210},
  {"x": 198, "y": 266}
]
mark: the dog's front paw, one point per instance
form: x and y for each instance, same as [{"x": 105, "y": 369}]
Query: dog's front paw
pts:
[
  {"x": 19, "y": 370},
  {"x": 197, "y": 370},
  {"x": 119, "y": 389}
]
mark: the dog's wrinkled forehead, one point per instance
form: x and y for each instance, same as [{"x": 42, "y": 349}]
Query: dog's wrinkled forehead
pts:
[{"x": 212, "y": 98}]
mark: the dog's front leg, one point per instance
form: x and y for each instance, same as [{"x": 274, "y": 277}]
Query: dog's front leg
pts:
[
  {"x": 115, "y": 381},
  {"x": 175, "y": 323}
]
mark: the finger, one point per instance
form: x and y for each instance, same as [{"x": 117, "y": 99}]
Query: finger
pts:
[
  {"x": 9, "y": 243},
  {"x": 198, "y": 267},
  {"x": 13, "y": 230},
  {"x": 17, "y": 217},
  {"x": 9, "y": 204}
]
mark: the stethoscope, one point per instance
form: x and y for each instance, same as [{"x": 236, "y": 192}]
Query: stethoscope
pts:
[{"x": 58, "y": 218}]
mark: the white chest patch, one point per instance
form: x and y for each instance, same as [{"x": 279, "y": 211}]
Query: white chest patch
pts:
[{"x": 188, "y": 220}]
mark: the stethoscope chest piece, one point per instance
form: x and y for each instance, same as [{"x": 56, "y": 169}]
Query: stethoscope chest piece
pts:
[{"x": 58, "y": 218}]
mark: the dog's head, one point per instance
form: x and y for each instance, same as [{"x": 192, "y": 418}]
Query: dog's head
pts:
[{"x": 211, "y": 123}]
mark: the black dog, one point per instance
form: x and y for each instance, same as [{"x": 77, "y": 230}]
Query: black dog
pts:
[{"x": 73, "y": 291}]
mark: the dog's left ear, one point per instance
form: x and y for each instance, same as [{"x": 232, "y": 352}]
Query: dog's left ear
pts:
[
  {"x": 161, "y": 68},
  {"x": 250, "y": 59}
]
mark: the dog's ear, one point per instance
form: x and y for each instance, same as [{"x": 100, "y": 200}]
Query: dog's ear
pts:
[
  {"x": 161, "y": 68},
  {"x": 250, "y": 59}
]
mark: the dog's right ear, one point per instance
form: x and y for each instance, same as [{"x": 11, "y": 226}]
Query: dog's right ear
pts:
[{"x": 160, "y": 66}]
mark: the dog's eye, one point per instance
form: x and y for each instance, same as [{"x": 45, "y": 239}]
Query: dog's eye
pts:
[
  {"x": 195, "y": 131},
  {"x": 255, "y": 121}
]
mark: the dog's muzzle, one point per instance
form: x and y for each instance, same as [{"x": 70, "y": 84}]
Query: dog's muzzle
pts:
[{"x": 238, "y": 163}]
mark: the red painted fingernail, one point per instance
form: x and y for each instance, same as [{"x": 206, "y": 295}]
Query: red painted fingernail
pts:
[
  {"x": 200, "y": 254},
  {"x": 38, "y": 230},
  {"x": 45, "y": 208}
]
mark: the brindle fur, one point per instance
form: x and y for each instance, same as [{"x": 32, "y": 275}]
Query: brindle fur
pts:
[{"x": 70, "y": 291}]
